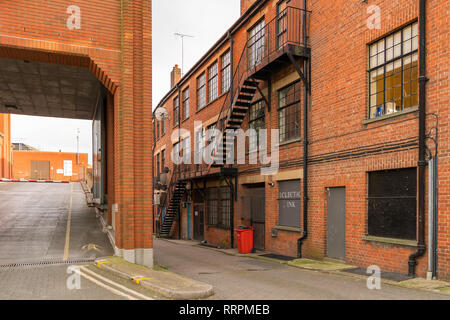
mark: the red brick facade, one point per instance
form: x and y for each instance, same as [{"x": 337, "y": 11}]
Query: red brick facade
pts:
[
  {"x": 112, "y": 40},
  {"x": 344, "y": 145}
]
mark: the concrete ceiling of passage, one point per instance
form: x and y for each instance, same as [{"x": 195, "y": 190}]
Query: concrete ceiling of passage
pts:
[{"x": 47, "y": 89}]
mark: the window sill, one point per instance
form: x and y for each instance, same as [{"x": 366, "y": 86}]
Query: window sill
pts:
[
  {"x": 290, "y": 141},
  {"x": 391, "y": 115},
  {"x": 401, "y": 242},
  {"x": 290, "y": 229}
]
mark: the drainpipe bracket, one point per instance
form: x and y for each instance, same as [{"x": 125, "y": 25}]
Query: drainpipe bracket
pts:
[{"x": 422, "y": 163}]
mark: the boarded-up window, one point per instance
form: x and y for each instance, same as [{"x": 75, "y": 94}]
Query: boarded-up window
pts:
[
  {"x": 392, "y": 204},
  {"x": 289, "y": 203}
]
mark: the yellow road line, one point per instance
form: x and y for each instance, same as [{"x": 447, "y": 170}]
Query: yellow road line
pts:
[
  {"x": 123, "y": 288},
  {"x": 101, "y": 262},
  {"x": 138, "y": 280},
  {"x": 66, "y": 246}
]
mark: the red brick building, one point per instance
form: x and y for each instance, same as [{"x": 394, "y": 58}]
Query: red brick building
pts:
[
  {"x": 5, "y": 147},
  {"x": 358, "y": 92},
  {"x": 91, "y": 60}
]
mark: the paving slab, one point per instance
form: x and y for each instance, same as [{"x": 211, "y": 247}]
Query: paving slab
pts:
[
  {"x": 168, "y": 284},
  {"x": 431, "y": 285},
  {"x": 318, "y": 265}
]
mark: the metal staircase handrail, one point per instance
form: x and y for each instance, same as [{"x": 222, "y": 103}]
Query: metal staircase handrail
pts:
[
  {"x": 170, "y": 189},
  {"x": 292, "y": 36},
  {"x": 232, "y": 91}
]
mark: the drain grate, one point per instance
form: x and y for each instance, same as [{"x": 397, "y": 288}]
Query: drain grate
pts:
[{"x": 45, "y": 263}]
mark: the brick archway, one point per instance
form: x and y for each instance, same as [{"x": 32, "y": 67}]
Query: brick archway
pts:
[{"x": 119, "y": 56}]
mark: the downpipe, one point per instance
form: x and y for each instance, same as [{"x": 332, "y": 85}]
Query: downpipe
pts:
[
  {"x": 432, "y": 218},
  {"x": 306, "y": 91},
  {"x": 412, "y": 262}
]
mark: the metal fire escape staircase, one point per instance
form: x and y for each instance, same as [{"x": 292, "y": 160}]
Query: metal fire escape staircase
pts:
[
  {"x": 172, "y": 203},
  {"x": 278, "y": 44},
  {"x": 281, "y": 42}
]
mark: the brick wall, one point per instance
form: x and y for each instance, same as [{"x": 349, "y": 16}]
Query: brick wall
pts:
[
  {"x": 114, "y": 43},
  {"x": 23, "y": 159},
  {"x": 339, "y": 39},
  {"x": 339, "y": 107}
]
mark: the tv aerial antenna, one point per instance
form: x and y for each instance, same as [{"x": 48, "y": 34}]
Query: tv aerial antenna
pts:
[{"x": 182, "y": 36}]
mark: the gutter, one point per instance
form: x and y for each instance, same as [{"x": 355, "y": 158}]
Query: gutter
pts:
[{"x": 412, "y": 262}]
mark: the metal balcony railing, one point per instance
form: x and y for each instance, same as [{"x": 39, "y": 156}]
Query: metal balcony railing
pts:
[{"x": 289, "y": 27}]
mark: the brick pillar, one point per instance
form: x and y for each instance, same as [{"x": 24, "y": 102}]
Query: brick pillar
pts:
[
  {"x": 110, "y": 154},
  {"x": 134, "y": 194}
]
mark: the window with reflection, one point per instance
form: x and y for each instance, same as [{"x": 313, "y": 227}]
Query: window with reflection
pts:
[{"x": 393, "y": 72}]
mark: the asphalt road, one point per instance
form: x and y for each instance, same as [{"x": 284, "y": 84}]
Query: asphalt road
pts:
[
  {"x": 51, "y": 223},
  {"x": 240, "y": 278}
]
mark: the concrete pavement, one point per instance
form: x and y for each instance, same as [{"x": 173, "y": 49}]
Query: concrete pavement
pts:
[
  {"x": 241, "y": 278},
  {"x": 34, "y": 220},
  {"x": 44, "y": 230}
]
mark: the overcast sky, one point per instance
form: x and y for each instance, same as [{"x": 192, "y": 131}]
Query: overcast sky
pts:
[{"x": 206, "y": 20}]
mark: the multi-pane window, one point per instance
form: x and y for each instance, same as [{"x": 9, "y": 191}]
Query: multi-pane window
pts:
[
  {"x": 211, "y": 136},
  {"x": 225, "y": 207},
  {"x": 199, "y": 146},
  {"x": 163, "y": 127},
  {"x": 256, "y": 44},
  {"x": 176, "y": 111},
  {"x": 158, "y": 164},
  {"x": 256, "y": 122},
  {"x": 218, "y": 207},
  {"x": 213, "y": 82},
  {"x": 163, "y": 159},
  {"x": 158, "y": 126},
  {"x": 176, "y": 151},
  {"x": 226, "y": 71},
  {"x": 392, "y": 211},
  {"x": 212, "y": 206},
  {"x": 282, "y": 23},
  {"x": 186, "y": 145},
  {"x": 289, "y": 112},
  {"x": 393, "y": 72},
  {"x": 201, "y": 92},
  {"x": 185, "y": 110}
]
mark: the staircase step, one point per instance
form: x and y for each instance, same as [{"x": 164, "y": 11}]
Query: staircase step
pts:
[
  {"x": 251, "y": 83},
  {"x": 245, "y": 97},
  {"x": 248, "y": 90},
  {"x": 242, "y": 104},
  {"x": 236, "y": 115}
]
